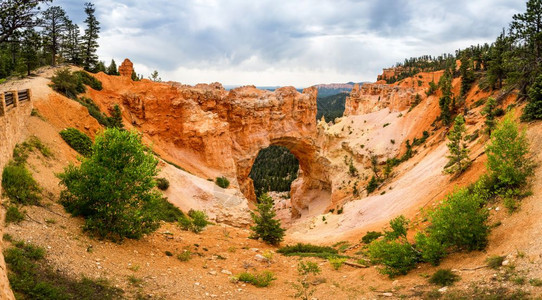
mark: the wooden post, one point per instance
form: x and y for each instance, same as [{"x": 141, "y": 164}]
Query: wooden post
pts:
[
  {"x": 15, "y": 98},
  {"x": 29, "y": 95},
  {"x": 2, "y": 104}
]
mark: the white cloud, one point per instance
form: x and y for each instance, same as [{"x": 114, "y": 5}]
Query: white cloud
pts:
[{"x": 285, "y": 42}]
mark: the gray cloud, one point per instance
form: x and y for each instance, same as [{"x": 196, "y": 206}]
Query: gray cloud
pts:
[{"x": 287, "y": 42}]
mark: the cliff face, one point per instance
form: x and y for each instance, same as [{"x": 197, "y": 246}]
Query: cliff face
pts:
[
  {"x": 212, "y": 132},
  {"x": 373, "y": 97}
]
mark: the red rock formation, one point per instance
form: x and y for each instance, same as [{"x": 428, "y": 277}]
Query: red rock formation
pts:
[
  {"x": 373, "y": 97},
  {"x": 212, "y": 132},
  {"x": 126, "y": 68}
]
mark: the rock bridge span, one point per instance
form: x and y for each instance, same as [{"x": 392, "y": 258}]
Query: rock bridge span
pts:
[{"x": 211, "y": 132}]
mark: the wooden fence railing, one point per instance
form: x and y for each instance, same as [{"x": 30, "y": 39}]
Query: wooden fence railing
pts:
[{"x": 13, "y": 98}]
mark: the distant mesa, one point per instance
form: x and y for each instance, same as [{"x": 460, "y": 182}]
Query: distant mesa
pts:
[{"x": 126, "y": 68}]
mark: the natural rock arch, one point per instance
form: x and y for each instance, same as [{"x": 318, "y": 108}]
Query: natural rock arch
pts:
[{"x": 214, "y": 132}]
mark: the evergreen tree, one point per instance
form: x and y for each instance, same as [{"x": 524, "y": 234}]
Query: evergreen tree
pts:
[
  {"x": 267, "y": 228},
  {"x": 18, "y": 14},
  {"x": 496, "y": 71},
  {"x": 112, "y": 69},
  {"x": 526, "y": 32},
  {"x": 489, "y": 112},
  {"x": 30, "y": 50},
  {"x": 533, "y": 110},
  {"x": 116, "y": 118},
  {"x": 100, "y": 67},
  {"x": 54, "y": 25},
  {"x": 445, "y": 100},
  {"x": 90, "y": 38},
  {"x": 459, "y": 153},
  {"x": 71, "y": 43},
  {"x": 467, "y": 75},
  {"x": 154, "y": 77}
]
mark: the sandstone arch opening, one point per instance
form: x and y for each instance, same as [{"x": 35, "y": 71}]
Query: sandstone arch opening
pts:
[{"x": 310, "y": 191}]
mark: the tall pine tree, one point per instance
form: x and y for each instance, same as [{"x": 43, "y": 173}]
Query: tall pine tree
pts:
[
  {"x": 54, "y": 25},
  {"x": 90, "y": 38},
  {"x": 71, "y": 43},
  {"x": 459, "y": 153}
]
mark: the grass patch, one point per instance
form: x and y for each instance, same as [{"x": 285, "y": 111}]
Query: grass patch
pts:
[
  {"x": 186, "y": 255},
  {"x": 31, "y": 278},
  {"x": 371, "y": 236},
  {"x": 79, "y": 141},
  {"x": 444, "y": 277},
  {"x": 262, "y": 279},
  {"x": 19, "y": 186},
  {"x": 336, "y": 262},
  {"x": 308, "y": 250},
  {"x": 494, "y": 261},
  {"x": 14, "y": 215}
]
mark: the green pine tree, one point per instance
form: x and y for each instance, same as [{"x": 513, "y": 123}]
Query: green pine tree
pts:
[
  {"x": 459, "y": 153},
  {"x": 533, "y": 110},
  {"x": 267, "y": 228},
  {"x": 112, "y": 69},
  {"x": 489, "y": 112},
  {"x": 90, "y": 38},
  {"x": 54, "y": 26}
]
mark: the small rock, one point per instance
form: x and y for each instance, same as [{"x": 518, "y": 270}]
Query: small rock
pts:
[
  {"x": 196, "y": 283},
  {"x": 497, "y": 208},
  {"x": 506, "y": 262},
  {"x": 395, "y": 282},
  {"x": 226, "y": 272},
  {"x": 387, "y": 294},
  {"x": 254, "y": 249},
  {"x": 443, "y": 289},
  {"x": 261, "y": 258},
  {"x": 212, "y": 272}
]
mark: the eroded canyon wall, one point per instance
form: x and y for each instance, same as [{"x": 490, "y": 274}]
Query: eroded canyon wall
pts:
[{"x": 212, "y": 132}]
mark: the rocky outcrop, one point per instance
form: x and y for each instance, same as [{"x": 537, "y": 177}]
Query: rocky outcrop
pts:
[
  {"x": 126, "y": 68},
  {"x": 212, "y": 132},
  {"x": 373, "y": 97}
]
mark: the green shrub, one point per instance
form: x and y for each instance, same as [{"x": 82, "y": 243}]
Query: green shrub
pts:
[
  {"x": 267, "y": 228},
  {"x": 507, "y": 160},
  {"x": 432, "y": 250},
  {"x": 94, "y": 110},
  {"x": 186, "y": 255},
  {"x": 372, "y": 185},
  {"x": 199, "y": 220},
  {"x": 67, "y": 83},
  {"x": 336, "y": 262},
  {"x": 113, "y": 188},
  {"x": 168, "y": 212},
  {"x": 79, "y": 141},
  {"x": 308, "y": 250},
  {"x": 398, "y": 227},
  {"x": 494, "y": 261},
  {"x": 22, "y": 151},
  {"x": 262, "y": 279},
  {"x": 195, "y": 221},
  {"x": 397, "y": 257},
  {"x": 162, "y": 183},
  {"x": 371, "y": 236},
  {"x": 89, "y": 80},
  {"x": 19, "y": 185},
  {"x": 444, "y": 277},
  {"x": 14, "y": 215},
  {"x": 460, "y": 221},
  {"x": 222, "y": 182}
]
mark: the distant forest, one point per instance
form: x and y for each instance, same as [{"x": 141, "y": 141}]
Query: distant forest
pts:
[
  {"x": 274, "y": 170},
  {"x": 331, "y": 107}
]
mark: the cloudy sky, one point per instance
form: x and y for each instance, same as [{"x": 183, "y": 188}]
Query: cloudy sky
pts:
[{"x": 287, "y": 42}]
